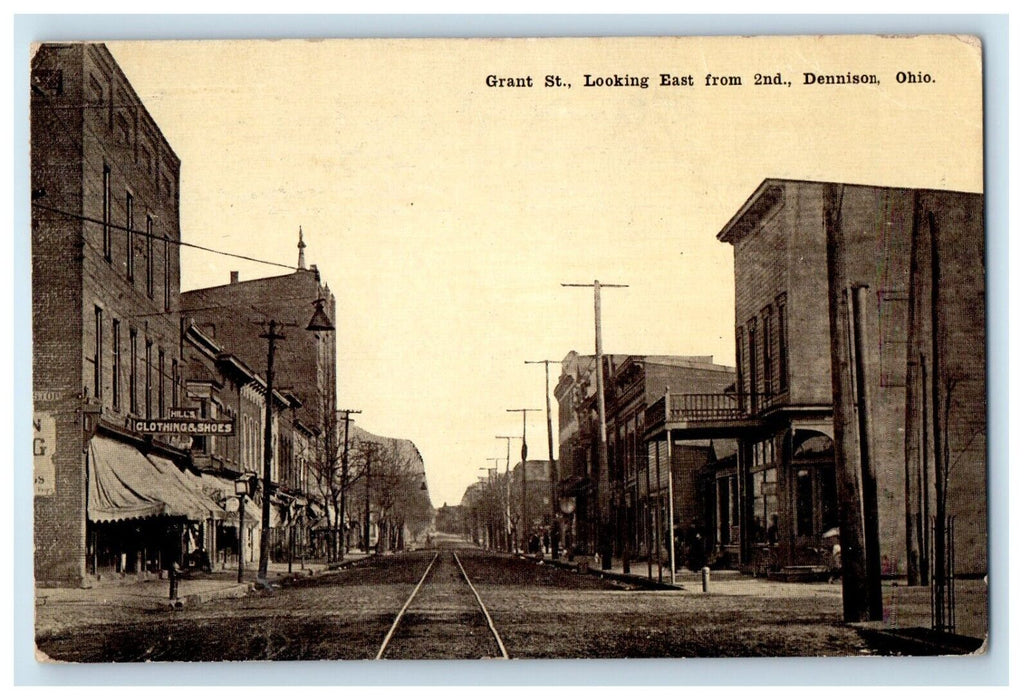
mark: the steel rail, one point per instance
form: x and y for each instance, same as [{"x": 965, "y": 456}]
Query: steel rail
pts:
[
  {"x": 489, "y": 620},
  {"x": 397, "y": 620}
]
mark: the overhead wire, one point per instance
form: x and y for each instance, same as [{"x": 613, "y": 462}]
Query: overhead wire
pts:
[{"x": 78, "y": 142}]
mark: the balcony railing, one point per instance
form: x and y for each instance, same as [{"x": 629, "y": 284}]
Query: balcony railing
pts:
[{"x": 700, "y": 408}]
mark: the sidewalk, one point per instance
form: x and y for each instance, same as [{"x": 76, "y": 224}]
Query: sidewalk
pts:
[
  {"x": 193, "y": 588},
  {"x": 904, "y": 607}
]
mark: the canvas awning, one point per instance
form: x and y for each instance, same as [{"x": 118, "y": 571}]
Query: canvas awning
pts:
[
  {"x": 224, "y": 491},
  {"x": 191, "y": 485},
  {"x": 125, "y": 484}
]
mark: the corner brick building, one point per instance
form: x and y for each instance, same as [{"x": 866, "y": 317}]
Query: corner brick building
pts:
[
  {"x": 105, "y": 300},
  {"x": 782, "y": 410}
]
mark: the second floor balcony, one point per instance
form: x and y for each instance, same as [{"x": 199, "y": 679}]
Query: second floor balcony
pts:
[{"x": 715, "y": 415}]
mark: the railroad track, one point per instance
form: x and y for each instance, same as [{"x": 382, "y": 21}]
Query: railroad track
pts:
[{"x": 444, "y": 617}]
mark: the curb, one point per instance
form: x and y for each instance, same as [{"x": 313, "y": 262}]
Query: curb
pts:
[
  {"x": 239, "y": 590},
  {"x": 641, "y": 581},
  {"x": 633, "y": 579}
]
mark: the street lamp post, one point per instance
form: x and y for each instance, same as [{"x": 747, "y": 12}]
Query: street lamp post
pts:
[
  {"x": 243, "y": 482},
  {"x": 568, "y": 507}
]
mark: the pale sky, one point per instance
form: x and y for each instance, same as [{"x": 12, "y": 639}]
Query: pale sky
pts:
[{"x": 445, "y": 214}]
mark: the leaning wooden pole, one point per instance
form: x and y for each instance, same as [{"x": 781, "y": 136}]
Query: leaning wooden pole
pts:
[
  {"x": 854, "y": 583},
  {"x": 940, "y": 477},
  {"x": 870, "y": 509}
]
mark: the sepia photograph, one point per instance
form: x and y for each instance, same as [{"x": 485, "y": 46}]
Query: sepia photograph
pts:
[{"x": 508, "y": 348}]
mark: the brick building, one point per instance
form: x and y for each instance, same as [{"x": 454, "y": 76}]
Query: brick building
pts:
[
  {"x": 627, "y": 507},
  {"x": 531, "y": 483},
  {"x": 105, "y": 301},
  {"x": 305, "y": 361},
  {"x": 639, "y": 486},
  {"x": 579, "y": 468},
  {"x": 220, "y": 385},
  {"x": 782, "y": 410}
]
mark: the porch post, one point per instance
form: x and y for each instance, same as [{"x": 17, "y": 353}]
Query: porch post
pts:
[{"x": 672, "y": 532}]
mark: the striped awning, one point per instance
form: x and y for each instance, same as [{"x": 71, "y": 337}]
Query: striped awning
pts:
[{"x": 125, "y": 484}]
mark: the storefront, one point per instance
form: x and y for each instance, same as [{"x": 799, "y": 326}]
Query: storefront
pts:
[
  {"x": 144, "y": 514},
  {"x": 790, "y": 499}
]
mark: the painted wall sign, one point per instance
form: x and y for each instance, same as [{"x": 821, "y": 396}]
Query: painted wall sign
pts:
[{"x": 44, "y": 441}]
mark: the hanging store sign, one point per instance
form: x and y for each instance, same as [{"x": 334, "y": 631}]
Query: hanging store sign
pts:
[
  {"x": 173, "y": 426},
  {"x": 188, "y": 413}
]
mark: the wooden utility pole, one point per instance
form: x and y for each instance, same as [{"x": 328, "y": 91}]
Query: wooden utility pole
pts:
[
  {"x": 940, "y": 480},
  {"x": 509, "y": 540},
  {"x": 494, "y": 516},
  {"x": 266, "y": 483},
  {"x": 854, "y": 579},
  {"x": 602, "y": 436},
  {"x": 341, "y": 524},
  {"x": 550, "y": 453},
  {"x": 525, "y": 453},
  {"x": 369, "y": 448},
  {"x": 870, "y": 509}
]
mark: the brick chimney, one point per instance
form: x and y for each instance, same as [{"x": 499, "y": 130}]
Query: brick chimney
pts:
[{"x": 234, "y": 276}]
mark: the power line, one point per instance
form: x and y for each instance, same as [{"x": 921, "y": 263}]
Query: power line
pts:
[
  {"x": 78, "y": 141},
  {"x": 90, "y": 219}
]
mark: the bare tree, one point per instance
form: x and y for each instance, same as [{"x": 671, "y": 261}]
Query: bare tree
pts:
[
  {"x": 327, "y": 466},
  {"x": 395, "y": 485}
]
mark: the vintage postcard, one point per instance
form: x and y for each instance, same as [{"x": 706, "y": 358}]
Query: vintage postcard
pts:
[{"x": 508, "y": 348}]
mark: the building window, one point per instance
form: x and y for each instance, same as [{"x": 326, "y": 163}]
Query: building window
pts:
[
  {"x": 107, "y": 212},
  {"x": 98, "y": 352},
  {"x": 828, "y": 496},
  {"x": 116, "y": 369},
  {"x": 148, "y": 377},
  {"x": 175, "y": 382},
  {"x": 130, "y": 257},
  {"x": 767, "y": 362},
  {"x": 781, "y": 311},
  {"x": 150, "y": 256},
  {"x": 167, "y": 277},
  {"x": 200, "y": 441},
  {"x": 160, "y": 383},
  {"x": 804, "y": 502},
  {"x": 766, "y": 508},
  {"x": 752, "y": 363},
  {"x": 133, "y": 362}
]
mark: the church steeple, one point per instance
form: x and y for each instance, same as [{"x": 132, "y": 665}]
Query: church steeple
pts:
[{"x": 300, "y": 249}]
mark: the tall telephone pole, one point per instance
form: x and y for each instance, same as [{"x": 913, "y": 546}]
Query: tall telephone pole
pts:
[
  {"x": 860, "y": 587},
  {"x": 525, "y": 453},
  {"x": 507, "y": 492},
  {"x": 495, "y": 517},
  {"x": 550, "y": 453},
  {"x": 266, "y": 482},
  {"x": 341, "y": 524},
  {"x": 602, "y": 431}
]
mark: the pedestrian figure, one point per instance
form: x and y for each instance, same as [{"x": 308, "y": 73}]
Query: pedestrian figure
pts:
[{"x": 695, "y": 547}]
